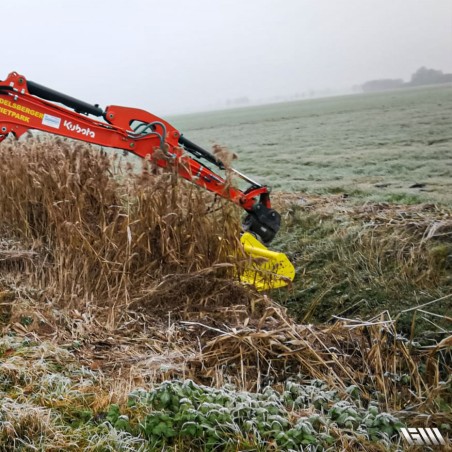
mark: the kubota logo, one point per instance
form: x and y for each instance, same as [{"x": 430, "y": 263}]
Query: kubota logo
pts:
[{"x": 76, "y": 128}]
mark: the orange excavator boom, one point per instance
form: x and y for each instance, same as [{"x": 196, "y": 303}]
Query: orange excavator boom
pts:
[{"x": 26, "y": 105}]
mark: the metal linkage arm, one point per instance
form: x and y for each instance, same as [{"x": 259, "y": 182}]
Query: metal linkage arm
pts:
[{"x": 26, "y": 105}]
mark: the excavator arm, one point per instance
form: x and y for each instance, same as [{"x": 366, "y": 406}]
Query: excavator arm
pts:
[{"x": 26, "y": 105}]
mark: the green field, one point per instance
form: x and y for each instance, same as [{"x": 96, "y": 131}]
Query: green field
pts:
[{"x": 374, "y": 146}]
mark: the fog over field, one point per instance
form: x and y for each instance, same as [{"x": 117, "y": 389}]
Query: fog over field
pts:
[
  {"x": 176, "y": 56},
  {"x": 392, "y": 146}
]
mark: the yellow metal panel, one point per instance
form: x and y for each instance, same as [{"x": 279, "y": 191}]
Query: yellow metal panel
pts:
[{"x": 266, "y": 269}]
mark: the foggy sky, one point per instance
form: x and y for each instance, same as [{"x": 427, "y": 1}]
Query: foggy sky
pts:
[{"x": 173, "y": 56}]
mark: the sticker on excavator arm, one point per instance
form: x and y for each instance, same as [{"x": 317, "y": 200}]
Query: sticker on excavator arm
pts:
[{"x": 267, "y": 269}]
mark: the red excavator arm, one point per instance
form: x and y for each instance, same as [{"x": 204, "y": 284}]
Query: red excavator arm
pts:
[{"x": 25, "y": 105}]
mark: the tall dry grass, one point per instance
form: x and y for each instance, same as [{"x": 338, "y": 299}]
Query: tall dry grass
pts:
[
  {"x": 82, "y": 231},
  {"x": 106, "y": 233}
]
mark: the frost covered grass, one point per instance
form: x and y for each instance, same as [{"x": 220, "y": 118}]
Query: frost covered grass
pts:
[
  {"x": 390, "y": 146},
  {"x": 229, "y": 419},
  {"x": 359, "y": 260},
  {"x": 121, "y": 327},
  {"x": 371, "y": 383},
  {"x": 59, "y": 408}
]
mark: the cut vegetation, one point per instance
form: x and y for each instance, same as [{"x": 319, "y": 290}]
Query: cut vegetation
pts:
[{"x": 122, "y": 327}]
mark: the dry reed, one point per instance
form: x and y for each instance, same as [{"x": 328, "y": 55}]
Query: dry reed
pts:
[
  {"x": 134, "y": 276},
  {"x": 105, "y": 237}
]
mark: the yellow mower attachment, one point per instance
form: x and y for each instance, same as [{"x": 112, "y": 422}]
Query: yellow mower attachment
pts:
[{"x": 267, "y": 269}]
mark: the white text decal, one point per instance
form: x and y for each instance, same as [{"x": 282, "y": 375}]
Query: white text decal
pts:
[{"x": 76, "y": 128}]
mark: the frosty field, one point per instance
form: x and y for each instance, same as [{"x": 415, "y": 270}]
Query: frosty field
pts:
[
  {"x": 373, "y": 146},
  {"x": 122, "y": 325}
]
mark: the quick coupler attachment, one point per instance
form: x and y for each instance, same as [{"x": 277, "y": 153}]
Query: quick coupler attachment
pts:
[{"x": 262, "y": 221}]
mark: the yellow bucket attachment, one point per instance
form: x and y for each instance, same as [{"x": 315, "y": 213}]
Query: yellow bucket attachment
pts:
[{"x": 266, "y": 269}]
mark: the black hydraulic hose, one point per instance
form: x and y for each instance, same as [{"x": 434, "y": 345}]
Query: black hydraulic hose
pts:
[
  {"x": 49, "y": 94},
  {"x": 198, "y": 151}
]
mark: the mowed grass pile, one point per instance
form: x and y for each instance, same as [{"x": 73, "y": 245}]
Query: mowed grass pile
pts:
[
  {"x": 53, "y": 397},
  {"x": 357, "y": 260},
  {"x": 122, "y": 327},
  {"x": 94, "y": 230}
]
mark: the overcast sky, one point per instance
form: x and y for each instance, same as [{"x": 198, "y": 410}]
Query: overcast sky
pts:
[{"x": 172, "y": 56}]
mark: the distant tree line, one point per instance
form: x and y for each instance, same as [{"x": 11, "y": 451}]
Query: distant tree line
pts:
[{"x": 423, "y": 76}]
